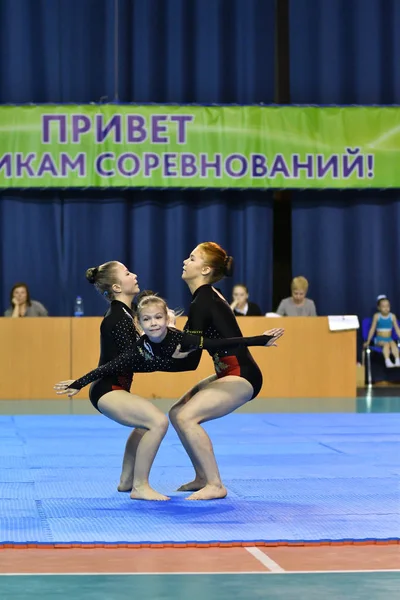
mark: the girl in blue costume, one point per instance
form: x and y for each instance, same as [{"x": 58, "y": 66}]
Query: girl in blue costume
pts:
[{"x": 382, "y": 323}]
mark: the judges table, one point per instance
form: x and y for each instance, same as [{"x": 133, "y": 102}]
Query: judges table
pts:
[{"x": 310, "y": 361}]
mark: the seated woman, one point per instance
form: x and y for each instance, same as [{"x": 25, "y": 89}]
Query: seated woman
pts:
[
  {"x": 22, "y": 305},
  {"x": 241, "y": 305},
  {"x": 297, "y": 305},
  {"x": 383, "y": 323}
]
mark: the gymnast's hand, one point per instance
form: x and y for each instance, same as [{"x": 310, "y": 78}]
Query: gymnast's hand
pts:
[
  {"x": 62, "y": 388},
  {"x": 274, "y": 334},
  {"x": 179, "y": 354}
]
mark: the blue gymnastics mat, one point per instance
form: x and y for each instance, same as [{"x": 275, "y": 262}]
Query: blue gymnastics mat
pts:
[{"x": 290, "y": 478}]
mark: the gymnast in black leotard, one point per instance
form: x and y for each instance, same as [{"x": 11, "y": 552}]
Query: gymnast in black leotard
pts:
[
  {"x": 111, "y": 395},
  {"x": 117, "y": 334},
  {"x": 210, "y": 315},
  {"x": 238, "y": 378}
]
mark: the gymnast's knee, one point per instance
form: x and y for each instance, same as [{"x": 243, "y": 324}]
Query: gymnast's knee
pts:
[
  {"x": 162, "y": 423},
  {"x": 173, "y": 414},
  {"x": 182, "y": 420}
]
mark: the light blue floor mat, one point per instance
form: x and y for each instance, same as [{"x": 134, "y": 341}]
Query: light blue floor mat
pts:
[{"x": 290, "y": 477}]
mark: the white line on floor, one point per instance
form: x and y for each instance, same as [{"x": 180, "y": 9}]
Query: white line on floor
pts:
[{"x": 264, "y": 559}]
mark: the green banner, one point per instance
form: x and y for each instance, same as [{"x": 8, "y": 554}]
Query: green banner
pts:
[{"x": 199, "y": 146}]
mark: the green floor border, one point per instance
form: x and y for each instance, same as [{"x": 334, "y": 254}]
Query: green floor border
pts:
[{"x": 227, "y": 586}]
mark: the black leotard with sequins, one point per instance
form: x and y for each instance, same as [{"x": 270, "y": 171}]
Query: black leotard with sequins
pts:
[
  {"x": 210, "y": 315},
  {"x": 117, "y": 335}
]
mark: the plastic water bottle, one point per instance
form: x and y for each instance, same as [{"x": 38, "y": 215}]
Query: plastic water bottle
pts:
[{"x": 78, "y": 311}]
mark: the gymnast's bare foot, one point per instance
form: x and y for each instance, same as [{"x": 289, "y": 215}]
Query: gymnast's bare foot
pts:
[
  {"x": 209, "y": 492},
  {"x": 145, "y": 492},
  {"x": 125, "y": 485},
  {"x": 193, "y": 486}
]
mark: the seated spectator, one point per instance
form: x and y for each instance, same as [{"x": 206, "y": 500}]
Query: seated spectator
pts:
[
  {"x": 241, "y": 305},
  {"x": 22, "y": 305},
  {"x": 383, "y": 323},
  {"x": 297, "y": 305}
]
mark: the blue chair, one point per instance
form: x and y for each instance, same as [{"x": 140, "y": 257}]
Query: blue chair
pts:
[{"x": 365, "y": 327}]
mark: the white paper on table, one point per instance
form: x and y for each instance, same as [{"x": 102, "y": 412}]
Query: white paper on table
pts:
[{"x": 343, "y": 322}]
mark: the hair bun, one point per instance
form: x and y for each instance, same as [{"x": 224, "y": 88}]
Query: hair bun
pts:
[
  {"x": 91, "y": 274},
  {"x": 228, "y": 269}
]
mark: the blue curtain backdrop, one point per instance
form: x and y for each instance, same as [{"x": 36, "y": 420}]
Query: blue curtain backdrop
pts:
[
  {"x": 348, "y": 247},
  {"x": 180, "y": 51},
  {"x": 345, "y": 51}
]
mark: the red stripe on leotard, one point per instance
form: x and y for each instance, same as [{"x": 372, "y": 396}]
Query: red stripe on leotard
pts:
[{"x": 227, "y": 365}]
